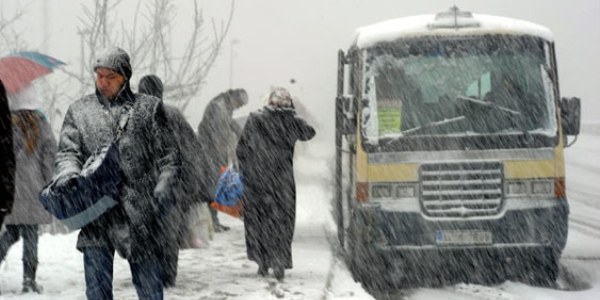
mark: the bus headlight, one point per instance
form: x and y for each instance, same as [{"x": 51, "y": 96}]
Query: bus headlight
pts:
[
  {"x": 530, "y": 187},
  {"x": 405, "y": 191},
  {"x": 542, "y": 188},
  {"x": 381, "y": 191},
  {"x": 517, "y": 188}
]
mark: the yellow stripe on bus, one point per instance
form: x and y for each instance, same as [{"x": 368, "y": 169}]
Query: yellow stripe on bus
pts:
[
  {"x": 529, "y": 169},
  {"x": 396, "y": 172},
  {"x": 512, "y": 170}
]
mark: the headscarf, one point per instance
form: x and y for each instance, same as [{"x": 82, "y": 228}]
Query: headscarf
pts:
[{"x": 280, "y": 97}]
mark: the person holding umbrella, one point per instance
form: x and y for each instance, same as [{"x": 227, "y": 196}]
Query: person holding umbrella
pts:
[
  {"x": 150, "y": 163},
  {"x": 7, "y": 157},
  {"x": 34, "y": 148},
  {"x": 17, "y": 70}
]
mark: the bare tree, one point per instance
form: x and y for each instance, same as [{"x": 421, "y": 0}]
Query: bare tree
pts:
[
  {"x": 148, "y": 42},
  {"x": 146, "y": 34},
  {"x": 10, "y": 39}
]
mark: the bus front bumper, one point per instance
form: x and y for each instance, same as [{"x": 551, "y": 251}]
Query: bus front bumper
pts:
[{"x": 401, "y": 238}]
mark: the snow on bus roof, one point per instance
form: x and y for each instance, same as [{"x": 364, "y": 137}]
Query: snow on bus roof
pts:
[{"x": 394, "y": 29}]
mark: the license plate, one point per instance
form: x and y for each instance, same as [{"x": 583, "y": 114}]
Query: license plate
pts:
[{"x": 463, "y": 237}]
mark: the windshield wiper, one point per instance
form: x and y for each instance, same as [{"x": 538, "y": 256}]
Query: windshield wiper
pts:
[
  {"x": 489, "y": 104},
  {"x": 512, "y": 114}
]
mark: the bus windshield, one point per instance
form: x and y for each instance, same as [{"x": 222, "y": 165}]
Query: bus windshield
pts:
[{"x": 458, "y": 87}]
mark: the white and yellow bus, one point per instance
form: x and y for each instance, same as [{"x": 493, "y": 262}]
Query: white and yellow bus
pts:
[{"x": 450, "y": 138}]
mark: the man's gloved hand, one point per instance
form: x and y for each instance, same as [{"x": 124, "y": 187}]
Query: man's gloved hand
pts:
[
  {"x": 164, "y": 193},
  {"x": 165, "y": 200},
  {"x": 66, "y": 182}
]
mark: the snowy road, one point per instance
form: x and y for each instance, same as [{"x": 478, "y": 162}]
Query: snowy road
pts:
[{"x": 222, "y": 271}]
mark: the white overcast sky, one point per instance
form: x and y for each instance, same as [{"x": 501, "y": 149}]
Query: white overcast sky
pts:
[{"x": 278, "y": 40}]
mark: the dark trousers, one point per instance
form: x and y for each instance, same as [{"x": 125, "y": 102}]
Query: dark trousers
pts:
[
  {"x": 213, "y": 216},
  {"x": 171, "y": 232},
  {"x": 98, "y": 269},
  {"x": 29, "y": 233},
  {"x": 168, "y": 263}
]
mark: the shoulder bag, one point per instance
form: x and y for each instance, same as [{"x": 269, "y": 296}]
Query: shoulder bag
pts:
[{"x": 96, "y": 188}]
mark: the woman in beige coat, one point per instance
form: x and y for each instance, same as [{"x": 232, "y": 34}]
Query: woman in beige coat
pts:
[{"x": 34, "y": 148}]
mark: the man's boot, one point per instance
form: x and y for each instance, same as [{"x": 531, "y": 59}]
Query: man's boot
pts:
[
  {"x": 263, "y": 270},
  {"x": 221, "y": 228},
  {"x": 279, "y": 272},
  {"x": 29, "y": 284}
]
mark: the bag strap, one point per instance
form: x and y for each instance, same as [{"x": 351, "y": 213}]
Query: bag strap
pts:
[{"x": 124, "y": 120}]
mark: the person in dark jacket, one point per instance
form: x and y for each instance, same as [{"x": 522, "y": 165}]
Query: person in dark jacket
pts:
[
  {"x": 7, "y": 157},
  {"x": 150, "y": 165},
  {"x": 35, "y": 147},
  {"x": 265, "y": 155},
  {"x": 190, "y": 189},
  {"x": 218, "y": 133}
]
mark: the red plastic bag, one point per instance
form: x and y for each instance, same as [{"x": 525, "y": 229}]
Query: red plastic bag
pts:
[{"x": 236, "y": 211}]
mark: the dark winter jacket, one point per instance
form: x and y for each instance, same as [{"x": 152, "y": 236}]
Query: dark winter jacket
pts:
[
  {"x": 149, "y": 158},
  {"x": 266, "y": 147},
  {"x": 190, "y": 187},
  {"x": 265, "y": 155},
  {"x": 34, "y": 170},
  {"x": 217, "y": 134},
  {"x": 7, "y": 157},
  {"x": 176, "y": 228}
]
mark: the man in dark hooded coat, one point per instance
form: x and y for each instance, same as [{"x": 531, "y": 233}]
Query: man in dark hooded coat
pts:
[
  {"x": 218, "y": 133},
  {"x": 190, "y": 190},
  {"x": 7, "y": 157},
  {"x": 265, "y": 155},
  {"x": 150, "y": 165}
]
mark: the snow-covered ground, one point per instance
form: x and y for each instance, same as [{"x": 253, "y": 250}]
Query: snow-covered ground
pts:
[{"x": 223, "y": 272}]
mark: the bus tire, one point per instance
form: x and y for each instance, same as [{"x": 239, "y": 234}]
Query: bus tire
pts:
[
  {"x": 541, "y": 268},
  {"x": 365, "y": 264}
]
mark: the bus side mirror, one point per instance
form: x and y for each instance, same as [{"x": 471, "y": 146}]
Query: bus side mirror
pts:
[{"x": 570, "y": 113}]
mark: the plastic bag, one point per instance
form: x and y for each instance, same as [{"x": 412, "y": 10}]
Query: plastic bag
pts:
[
  {"x": 199, "y": 227},
  {"x": 229, "y": 187},
  {"x": 228, "y": 196}
]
